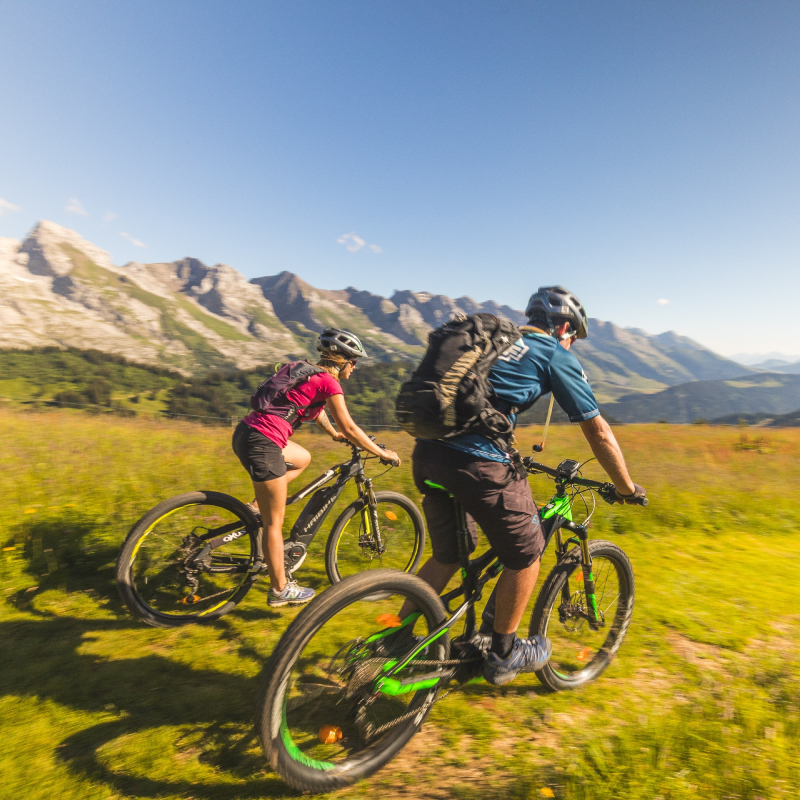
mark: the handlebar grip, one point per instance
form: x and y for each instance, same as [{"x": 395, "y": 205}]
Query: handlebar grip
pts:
[{"x": 395, "y": 462}]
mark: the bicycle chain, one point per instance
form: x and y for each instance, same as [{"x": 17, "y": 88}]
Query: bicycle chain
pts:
[{"x": 370, "y": 734}]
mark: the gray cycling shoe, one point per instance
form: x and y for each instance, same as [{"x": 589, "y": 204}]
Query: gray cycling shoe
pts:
[
  {"x": 292, "y": 595},
  {"x": 527, "y": 655}
]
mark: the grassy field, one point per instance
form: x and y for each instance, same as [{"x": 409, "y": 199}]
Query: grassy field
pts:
[{"x": 702, "y": 701}]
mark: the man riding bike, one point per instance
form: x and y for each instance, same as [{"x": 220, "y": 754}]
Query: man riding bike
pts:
[
  {"x": 261, "y": 441},
  {"x": 480, "y": 476}
]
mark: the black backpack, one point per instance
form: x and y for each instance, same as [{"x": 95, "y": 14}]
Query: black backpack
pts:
[
  {"x": 449, "y": 392},
  {"x": 270, "y": 397}
]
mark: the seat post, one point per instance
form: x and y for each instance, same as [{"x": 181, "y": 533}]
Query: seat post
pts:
[{"x": 467, "y": 575}]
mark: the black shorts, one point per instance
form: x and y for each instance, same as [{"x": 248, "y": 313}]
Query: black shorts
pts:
[
  {"x": 493, "y": 495},
  {"x": 260, "y": 456}
]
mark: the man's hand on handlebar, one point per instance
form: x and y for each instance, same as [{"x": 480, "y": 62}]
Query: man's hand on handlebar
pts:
[{"x": 637, "y": 498}]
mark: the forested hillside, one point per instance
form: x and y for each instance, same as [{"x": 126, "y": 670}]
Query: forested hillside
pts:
[{"x": 98, "y": 382}]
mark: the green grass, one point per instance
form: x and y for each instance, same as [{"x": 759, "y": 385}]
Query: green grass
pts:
[{"x": 702, "y": 701}]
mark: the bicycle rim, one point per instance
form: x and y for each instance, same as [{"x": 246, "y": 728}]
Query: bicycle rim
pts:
[
  {"x": 581, "y": 652},
  {"x": 332, "y": 717},
  {"x": 164, "y": 580},
  {"x": 357, "y": 549}
]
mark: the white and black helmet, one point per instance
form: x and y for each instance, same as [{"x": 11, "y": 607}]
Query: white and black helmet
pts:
[
  {"x": 556, "y": 303},
  {"x": 335, "y": 340}
]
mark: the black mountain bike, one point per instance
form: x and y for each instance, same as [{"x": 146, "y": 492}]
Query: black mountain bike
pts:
[
  {"x": 195, "y": 556},
  {"x": 342, "y": 695}
]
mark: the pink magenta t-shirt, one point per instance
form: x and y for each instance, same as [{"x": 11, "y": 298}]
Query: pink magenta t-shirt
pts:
[{"x": 316, "y": 389}]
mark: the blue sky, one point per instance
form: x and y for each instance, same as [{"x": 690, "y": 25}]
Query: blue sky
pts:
[{"x": 644, "y": 154}]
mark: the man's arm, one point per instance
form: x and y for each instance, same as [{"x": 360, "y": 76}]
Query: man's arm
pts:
[
  {"x": 325, "y": 424},
  {"x": 607, "y": 452}
]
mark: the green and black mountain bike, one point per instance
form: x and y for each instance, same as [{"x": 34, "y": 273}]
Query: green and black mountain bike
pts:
[
  {"x": 350, "y": 682},
  {"x": 195, "y": 556}
]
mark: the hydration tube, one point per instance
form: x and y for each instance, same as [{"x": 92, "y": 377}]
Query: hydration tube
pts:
[{"x": 539, "y": 447}]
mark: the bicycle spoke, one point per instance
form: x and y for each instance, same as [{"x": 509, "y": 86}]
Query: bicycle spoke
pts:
[
  {"x": 331, "y": 691},
  {"x": 166, "y": 578},
  {"x": 611, "y": 604},
  {"x": 358, "y": 548},
  {"x": 575, "y": 642}
]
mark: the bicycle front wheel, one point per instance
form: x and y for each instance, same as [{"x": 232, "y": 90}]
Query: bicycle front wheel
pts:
[
  {"x": 328, "y": 714},
  {"x": 353, "y": 546},
  {"x": 581, "y": 652},
  {"x": 169, "y": 572}
]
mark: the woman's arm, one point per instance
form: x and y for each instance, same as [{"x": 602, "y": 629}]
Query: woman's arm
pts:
[
  {"x": 341, "y": 416},
  {"x": 324, "y": 424}
]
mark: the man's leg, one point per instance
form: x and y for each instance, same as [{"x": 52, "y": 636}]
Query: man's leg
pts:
[
  {"x": 437, "y": 575},
  {"x": 514, "y": 590}
]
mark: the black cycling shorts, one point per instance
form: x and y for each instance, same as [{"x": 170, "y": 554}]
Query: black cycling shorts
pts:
[
  {"x": 493, "y": 495},
  {"x": 260, "y": 456}
]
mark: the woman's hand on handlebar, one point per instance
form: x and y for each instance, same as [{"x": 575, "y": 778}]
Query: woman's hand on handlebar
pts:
[
  {"x": 390, "y": 457},
  {"x": 337, "y": 436}
]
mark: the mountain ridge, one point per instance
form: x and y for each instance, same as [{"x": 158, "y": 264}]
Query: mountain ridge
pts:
[{"x": 56, "y": 288}]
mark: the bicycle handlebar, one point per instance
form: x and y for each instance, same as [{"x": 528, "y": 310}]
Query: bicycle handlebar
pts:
[
  {"x": 395, "y": 462},
  {"x": 605, "y": 489}
]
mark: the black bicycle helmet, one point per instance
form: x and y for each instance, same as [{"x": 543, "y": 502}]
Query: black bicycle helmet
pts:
[
  {"x": 556, "y": 303},
  {"x": 335, "y": 340}
]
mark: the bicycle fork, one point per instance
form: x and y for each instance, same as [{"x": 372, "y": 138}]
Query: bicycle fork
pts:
[
  {"x": 371, "y": 524},
  {"x": 593, "y": 616}
]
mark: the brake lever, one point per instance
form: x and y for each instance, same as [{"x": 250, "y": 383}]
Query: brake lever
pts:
[{"x": 608, "y": 493}]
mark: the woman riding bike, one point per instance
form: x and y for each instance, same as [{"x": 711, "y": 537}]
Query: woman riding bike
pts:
[{"x": 261, "y": 441}]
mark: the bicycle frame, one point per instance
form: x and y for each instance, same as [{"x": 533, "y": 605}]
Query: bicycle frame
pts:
[
  {"x": 308, "y": 523},
  {"x": 475, "y": 573}
]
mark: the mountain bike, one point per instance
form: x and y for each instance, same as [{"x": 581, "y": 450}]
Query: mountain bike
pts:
[
  {"x": 195, "y": 556},
  {"x": 350, "y": 682}
]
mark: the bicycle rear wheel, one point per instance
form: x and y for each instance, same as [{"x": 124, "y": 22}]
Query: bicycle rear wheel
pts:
[
  {"x": 324, "y": 718},
  {"x": 162, "y": 574},
  {"x": 580, "y": 653},
  {"x": 353, "y": 547}
]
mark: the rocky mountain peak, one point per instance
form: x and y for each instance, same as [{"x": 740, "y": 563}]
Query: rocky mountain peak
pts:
[{"x": 47, "y": 248}]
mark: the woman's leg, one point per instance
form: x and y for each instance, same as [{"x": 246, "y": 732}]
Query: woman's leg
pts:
[
  {"x": 298, "y": 456},
  {"x": 271, "y": 497}
]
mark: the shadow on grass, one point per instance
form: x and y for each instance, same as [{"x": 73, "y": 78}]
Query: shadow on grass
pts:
[
  {"x": 47, "y": 656},
  {"x": 42, "y": 659}
]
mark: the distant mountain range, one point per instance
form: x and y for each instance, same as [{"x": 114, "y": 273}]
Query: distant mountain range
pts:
[
  {"x": 58, "y": 289},
  {"x": 768, "y": 395},
  {"x": 779, "y": 365},
  {"x": 769, "y": 362}
]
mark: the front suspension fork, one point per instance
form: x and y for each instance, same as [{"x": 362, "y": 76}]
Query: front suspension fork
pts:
[
  {"x": 371, "y": 524},
  {"x": 593, "y": 614}
]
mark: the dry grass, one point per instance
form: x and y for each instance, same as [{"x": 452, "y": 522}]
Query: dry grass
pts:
[{"x": 701, "y": 702}]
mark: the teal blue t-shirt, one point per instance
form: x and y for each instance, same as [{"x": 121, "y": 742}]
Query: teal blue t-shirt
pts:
[{"x": 536, "y": 365}]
